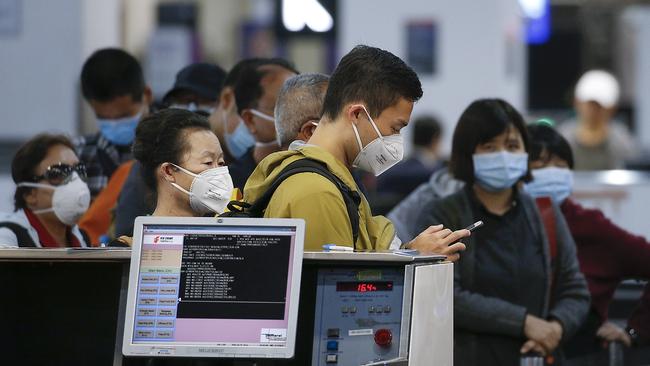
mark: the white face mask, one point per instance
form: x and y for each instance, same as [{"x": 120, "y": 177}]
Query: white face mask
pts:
[
  {"x": 381, "y": 153},
  {"x": 210, "y": 190},
  {"x": 69, "y": 201}
]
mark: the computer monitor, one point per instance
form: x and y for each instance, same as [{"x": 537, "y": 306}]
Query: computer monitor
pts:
[{"x": 214, "y": 287}]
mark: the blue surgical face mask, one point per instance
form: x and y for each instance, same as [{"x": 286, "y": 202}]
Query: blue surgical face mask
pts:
[
  {"x": 120, "y": 131},
  {"x": 499, "y": 171},
  {"x": 239, "y": 141},
  {"x": 553, "y": 182}
]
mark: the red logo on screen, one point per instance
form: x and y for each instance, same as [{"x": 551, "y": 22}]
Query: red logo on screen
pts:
[{"x": 156, "y": 239}]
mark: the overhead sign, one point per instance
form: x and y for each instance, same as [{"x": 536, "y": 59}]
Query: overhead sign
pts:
[{"x": 305, "y": 17}]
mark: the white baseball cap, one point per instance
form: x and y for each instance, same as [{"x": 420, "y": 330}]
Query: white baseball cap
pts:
[{"x": 598, "y": 86}]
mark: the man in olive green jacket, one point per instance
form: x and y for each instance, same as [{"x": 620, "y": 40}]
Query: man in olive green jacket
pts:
[{"x": 369, "y": 100}]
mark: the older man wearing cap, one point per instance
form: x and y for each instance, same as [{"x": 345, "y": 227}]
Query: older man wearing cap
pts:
[{"x": 598, "y": 143}]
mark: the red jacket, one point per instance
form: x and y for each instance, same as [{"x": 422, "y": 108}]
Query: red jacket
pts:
[{"x": 607, "y": 255}]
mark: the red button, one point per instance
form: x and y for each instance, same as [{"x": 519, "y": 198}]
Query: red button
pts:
[{"x": 383, "y": 337}]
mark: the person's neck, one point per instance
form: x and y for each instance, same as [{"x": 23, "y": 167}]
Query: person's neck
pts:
[
  {"x": 167, "y": 206},
  {"x": 329, "y": 138},
  {"x": 56, "y": 229},
  {"x": 497, "y": 203},
  {"x": 426, "y": 156},
  {"x": 592, "y": 132},
  {"x": 263, "y": 150}
]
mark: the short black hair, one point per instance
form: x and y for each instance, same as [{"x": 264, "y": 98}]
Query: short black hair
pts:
[
  {"x": 160, "y": 138},
  {"x": 373, "y": 76},
  {"x": 481, "y": 121},
  {"x": 426, "y": 129},
  {"x": 247, "y": 84},
  {"x": 29, "y": 155},
  {"x": 244, "y": 66},
  {"x": 110, "y": 73},
  {"x": 544, "y": 138}
]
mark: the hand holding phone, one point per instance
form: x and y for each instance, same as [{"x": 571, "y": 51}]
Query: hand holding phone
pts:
[
  {"x": 436, "y": 239},
  {"x": 474, "y": 226}
]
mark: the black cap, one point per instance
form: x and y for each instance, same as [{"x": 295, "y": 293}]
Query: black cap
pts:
[{"x": 203, "y": 79}]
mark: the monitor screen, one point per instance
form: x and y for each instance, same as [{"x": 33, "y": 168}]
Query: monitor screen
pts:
[{"x": 204, "y": 288}]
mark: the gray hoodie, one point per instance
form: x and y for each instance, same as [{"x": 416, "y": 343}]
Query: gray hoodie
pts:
[{"x": 405, "y": 214}]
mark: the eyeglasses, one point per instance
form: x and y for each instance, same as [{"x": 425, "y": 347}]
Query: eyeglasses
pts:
[{"x": 59, "y": 173}]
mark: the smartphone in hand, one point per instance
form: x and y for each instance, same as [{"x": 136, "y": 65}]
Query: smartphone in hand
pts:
[{"x": 474, "y": 226}]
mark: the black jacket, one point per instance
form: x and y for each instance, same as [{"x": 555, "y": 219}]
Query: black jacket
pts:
[{"x": 478, "y": 314}]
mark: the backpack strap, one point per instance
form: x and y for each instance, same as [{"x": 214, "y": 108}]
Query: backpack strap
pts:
[
  {"x": 22, "y": 235},
  {"x": 85, "y": 237},
  {"x": 351, "y": 198},
  {"x": 545, "y": 207}
]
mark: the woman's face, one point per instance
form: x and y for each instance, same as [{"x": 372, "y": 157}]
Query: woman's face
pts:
[
  {"x": 547, "y": 160},
  {"x": 203, "y": 153},
  {"x": 510, "y": 140},
  {"x": 41, "y": 198}
]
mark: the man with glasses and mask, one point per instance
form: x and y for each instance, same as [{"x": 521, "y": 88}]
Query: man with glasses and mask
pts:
[
  {"x": 255, "y": 94},
  {"x": 113, "y": 84},
  {"x": 50, "y": 197},
  {"x": 369, "y": 100}
]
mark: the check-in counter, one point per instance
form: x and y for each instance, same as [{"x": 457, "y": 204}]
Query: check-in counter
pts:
[
  {"x": 66, "y": 306},
  {"x": 61, "y": 306}
]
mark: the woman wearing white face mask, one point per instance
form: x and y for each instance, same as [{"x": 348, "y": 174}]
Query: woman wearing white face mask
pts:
[
  {"x": 607, "y": 253},
  {"x": 183, "y": 164},
  {"x": 50, "y": 197},
  {"x": 505, "y": 304}
]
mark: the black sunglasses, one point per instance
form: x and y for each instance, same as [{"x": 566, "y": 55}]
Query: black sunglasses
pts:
[{"x": 58, "y": 173}]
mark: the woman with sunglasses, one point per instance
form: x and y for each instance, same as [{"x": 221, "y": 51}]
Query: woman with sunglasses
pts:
[{"x": 51, "y": 195}]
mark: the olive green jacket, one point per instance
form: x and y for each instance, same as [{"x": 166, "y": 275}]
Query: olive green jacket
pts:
[{"x": 318, "y": 201}]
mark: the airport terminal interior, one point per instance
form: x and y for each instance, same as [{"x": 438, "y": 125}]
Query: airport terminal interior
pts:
[{"x": 325, "y": 182}]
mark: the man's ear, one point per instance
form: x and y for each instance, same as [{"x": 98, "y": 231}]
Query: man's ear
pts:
[
  {"x": 353, "y": 112},
  {"x": 306, "y": 130},
  {"x": 247, "y": 117},
  {"x": 227, "y": 98},
  {"x": 147, "y": 96}
]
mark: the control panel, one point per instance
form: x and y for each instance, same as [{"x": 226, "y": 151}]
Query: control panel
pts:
[{"x": 358, "y": 315}]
